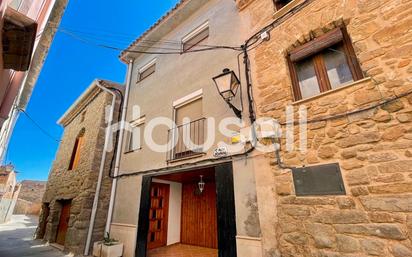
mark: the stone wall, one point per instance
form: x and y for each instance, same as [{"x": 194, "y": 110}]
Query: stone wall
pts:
[
  {"x": 30, "y": 197},
  {"x": 373, "y": 147},
  {"x": 24, "y": 207},
  {"x": 79, "y": 184},
  {"x": 32, "y": 191}
]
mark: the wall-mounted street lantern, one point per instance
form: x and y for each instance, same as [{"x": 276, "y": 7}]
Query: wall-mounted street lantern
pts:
[{"x": 227, "y": 84}]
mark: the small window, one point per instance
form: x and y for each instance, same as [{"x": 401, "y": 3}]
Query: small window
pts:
[
  {"x": 196, "y": 37},
  {"x": 318, "y": 180},
  {"x": 279, "y": 4},
  {"x": 147, "y": 70},
  {"x": 75, "y": 158},
  {"x": 135, "y": 138},
  {"x": 325, "y": 63}
]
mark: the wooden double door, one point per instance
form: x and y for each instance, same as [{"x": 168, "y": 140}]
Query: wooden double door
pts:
[
  {"x": 199, "y": 221},
  {"x": 212, "y": 211},
  {"x": 198, "y": 215}
]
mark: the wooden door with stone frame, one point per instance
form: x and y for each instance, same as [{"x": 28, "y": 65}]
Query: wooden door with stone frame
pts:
[{"x": 63, "y": 222}]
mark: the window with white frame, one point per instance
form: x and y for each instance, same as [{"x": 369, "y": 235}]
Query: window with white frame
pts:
[
  {"x": 147, "y": 70},
  {"x": 195, "y": 37},
  {"x": 189, "y": 134},
  {"x": 135, "y": 138}
]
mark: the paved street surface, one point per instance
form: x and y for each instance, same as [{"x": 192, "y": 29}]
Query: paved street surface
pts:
[{"x": 16, "y": 239}]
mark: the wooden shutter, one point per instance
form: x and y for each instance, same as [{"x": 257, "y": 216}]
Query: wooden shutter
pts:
[
  {"x": 202, "y": 35},
  {"x": 147, "y": 72},
  {"x": 191, "y": 110},
  {"x": 316, "y": 45},
  {"x": 74, "y": 161}
]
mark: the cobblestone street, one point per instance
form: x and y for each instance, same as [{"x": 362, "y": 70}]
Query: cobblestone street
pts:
[{"x": 16, "y": 239}]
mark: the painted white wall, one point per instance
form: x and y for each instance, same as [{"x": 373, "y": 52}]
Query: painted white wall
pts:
[{"x": 175, "y": 211}]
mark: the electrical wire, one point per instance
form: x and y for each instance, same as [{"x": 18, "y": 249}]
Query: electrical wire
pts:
[
  {"x": 130, "y": 37},
  {"x": 148, "y": 52},
  {"x": 38, "y": 126},
  {"x": 172, "y": 52},
  {"x": 108, "y": 40},
  {"x": 341, "y": 115}
]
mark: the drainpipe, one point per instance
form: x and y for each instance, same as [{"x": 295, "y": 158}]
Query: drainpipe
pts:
[
  {"x": 119, "y": 146},
  {"x": 101, "y": 170}
]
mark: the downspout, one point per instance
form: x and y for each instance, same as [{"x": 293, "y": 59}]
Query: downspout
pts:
[
  {"x": 101, "y": 170},
  {"x": 119, "y": 146}
]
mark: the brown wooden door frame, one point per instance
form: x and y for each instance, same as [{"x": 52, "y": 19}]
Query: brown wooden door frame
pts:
[
  {"x": 225, "y": 205},
  {"x": 63, "y": 222},
  {"x": 158, "y": 212}
]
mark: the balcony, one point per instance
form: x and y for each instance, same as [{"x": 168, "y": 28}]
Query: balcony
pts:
[{"x": 186, "y": 140}]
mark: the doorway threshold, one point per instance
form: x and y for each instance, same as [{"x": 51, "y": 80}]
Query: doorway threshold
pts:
[{"x": 57, "y": 246}]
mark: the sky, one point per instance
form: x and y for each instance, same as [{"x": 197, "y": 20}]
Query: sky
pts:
[{"x": 71, "y": 66}]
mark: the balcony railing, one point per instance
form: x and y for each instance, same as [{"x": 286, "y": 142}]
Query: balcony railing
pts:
[{"x": 187, "y": 139}]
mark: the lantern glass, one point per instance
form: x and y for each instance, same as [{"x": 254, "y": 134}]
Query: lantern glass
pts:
[{"x": 227, "y": 84}]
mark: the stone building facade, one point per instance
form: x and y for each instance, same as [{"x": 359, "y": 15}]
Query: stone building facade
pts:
[
  {"x": 364, "y": 126},
  {"x": 72, "y": 187}
]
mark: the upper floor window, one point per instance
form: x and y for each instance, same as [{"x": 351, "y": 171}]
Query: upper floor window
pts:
[
  {"x": 75, "y": 158},
  {"x": 325, "y": 63},
  {"x": 147, "y": 70},
  {"x": 135, "y": 138},
  {"x": 188, "y": 136},
  {"x": 195, "y": 37},
  {"x": 279, "y": 4}
]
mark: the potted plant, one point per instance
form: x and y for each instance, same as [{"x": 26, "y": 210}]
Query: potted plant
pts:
[{"x": 109, "y": 247}]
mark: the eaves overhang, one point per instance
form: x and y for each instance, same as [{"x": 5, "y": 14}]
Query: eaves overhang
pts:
[
  {"x": 85, "y": 98},
  {"x": 167, "y": 23}
]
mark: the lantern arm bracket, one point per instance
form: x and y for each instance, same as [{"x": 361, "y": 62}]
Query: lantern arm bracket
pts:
[{"x": 237, "y": 112}]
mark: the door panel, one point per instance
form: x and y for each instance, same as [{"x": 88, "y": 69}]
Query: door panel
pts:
[
  {"x": 143, "y": 223},
  {"x": 199, "y": 221},
  {"x": 158, "y": 215},
  {"x": 226, "y": 210},
  {"x": 63, "y": 223}
]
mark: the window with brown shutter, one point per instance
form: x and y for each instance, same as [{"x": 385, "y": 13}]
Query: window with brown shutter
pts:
[
  {"x": 325, "y": 63},
  {"x": 196, "y": 39},
  {"x": 146, "y": 72},
  {"x": 75, "y": 158},
  {"x": 188, "y": 137}
]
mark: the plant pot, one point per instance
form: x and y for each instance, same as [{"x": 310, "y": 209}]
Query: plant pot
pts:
[
  {"x": 97, "y": 249},
  {"x": 102, "y": 250}
]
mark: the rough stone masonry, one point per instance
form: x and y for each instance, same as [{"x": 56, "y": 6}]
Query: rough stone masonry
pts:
[
  {"x": 373, "y": 147},
  {"x": 79, "y": 184}
]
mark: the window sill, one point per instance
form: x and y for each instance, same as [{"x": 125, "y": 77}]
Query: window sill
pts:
[
  {"x": 132, "y": 151},
  {"x": 332, "y": 91},
  {"x": 287, "y": 8}
]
